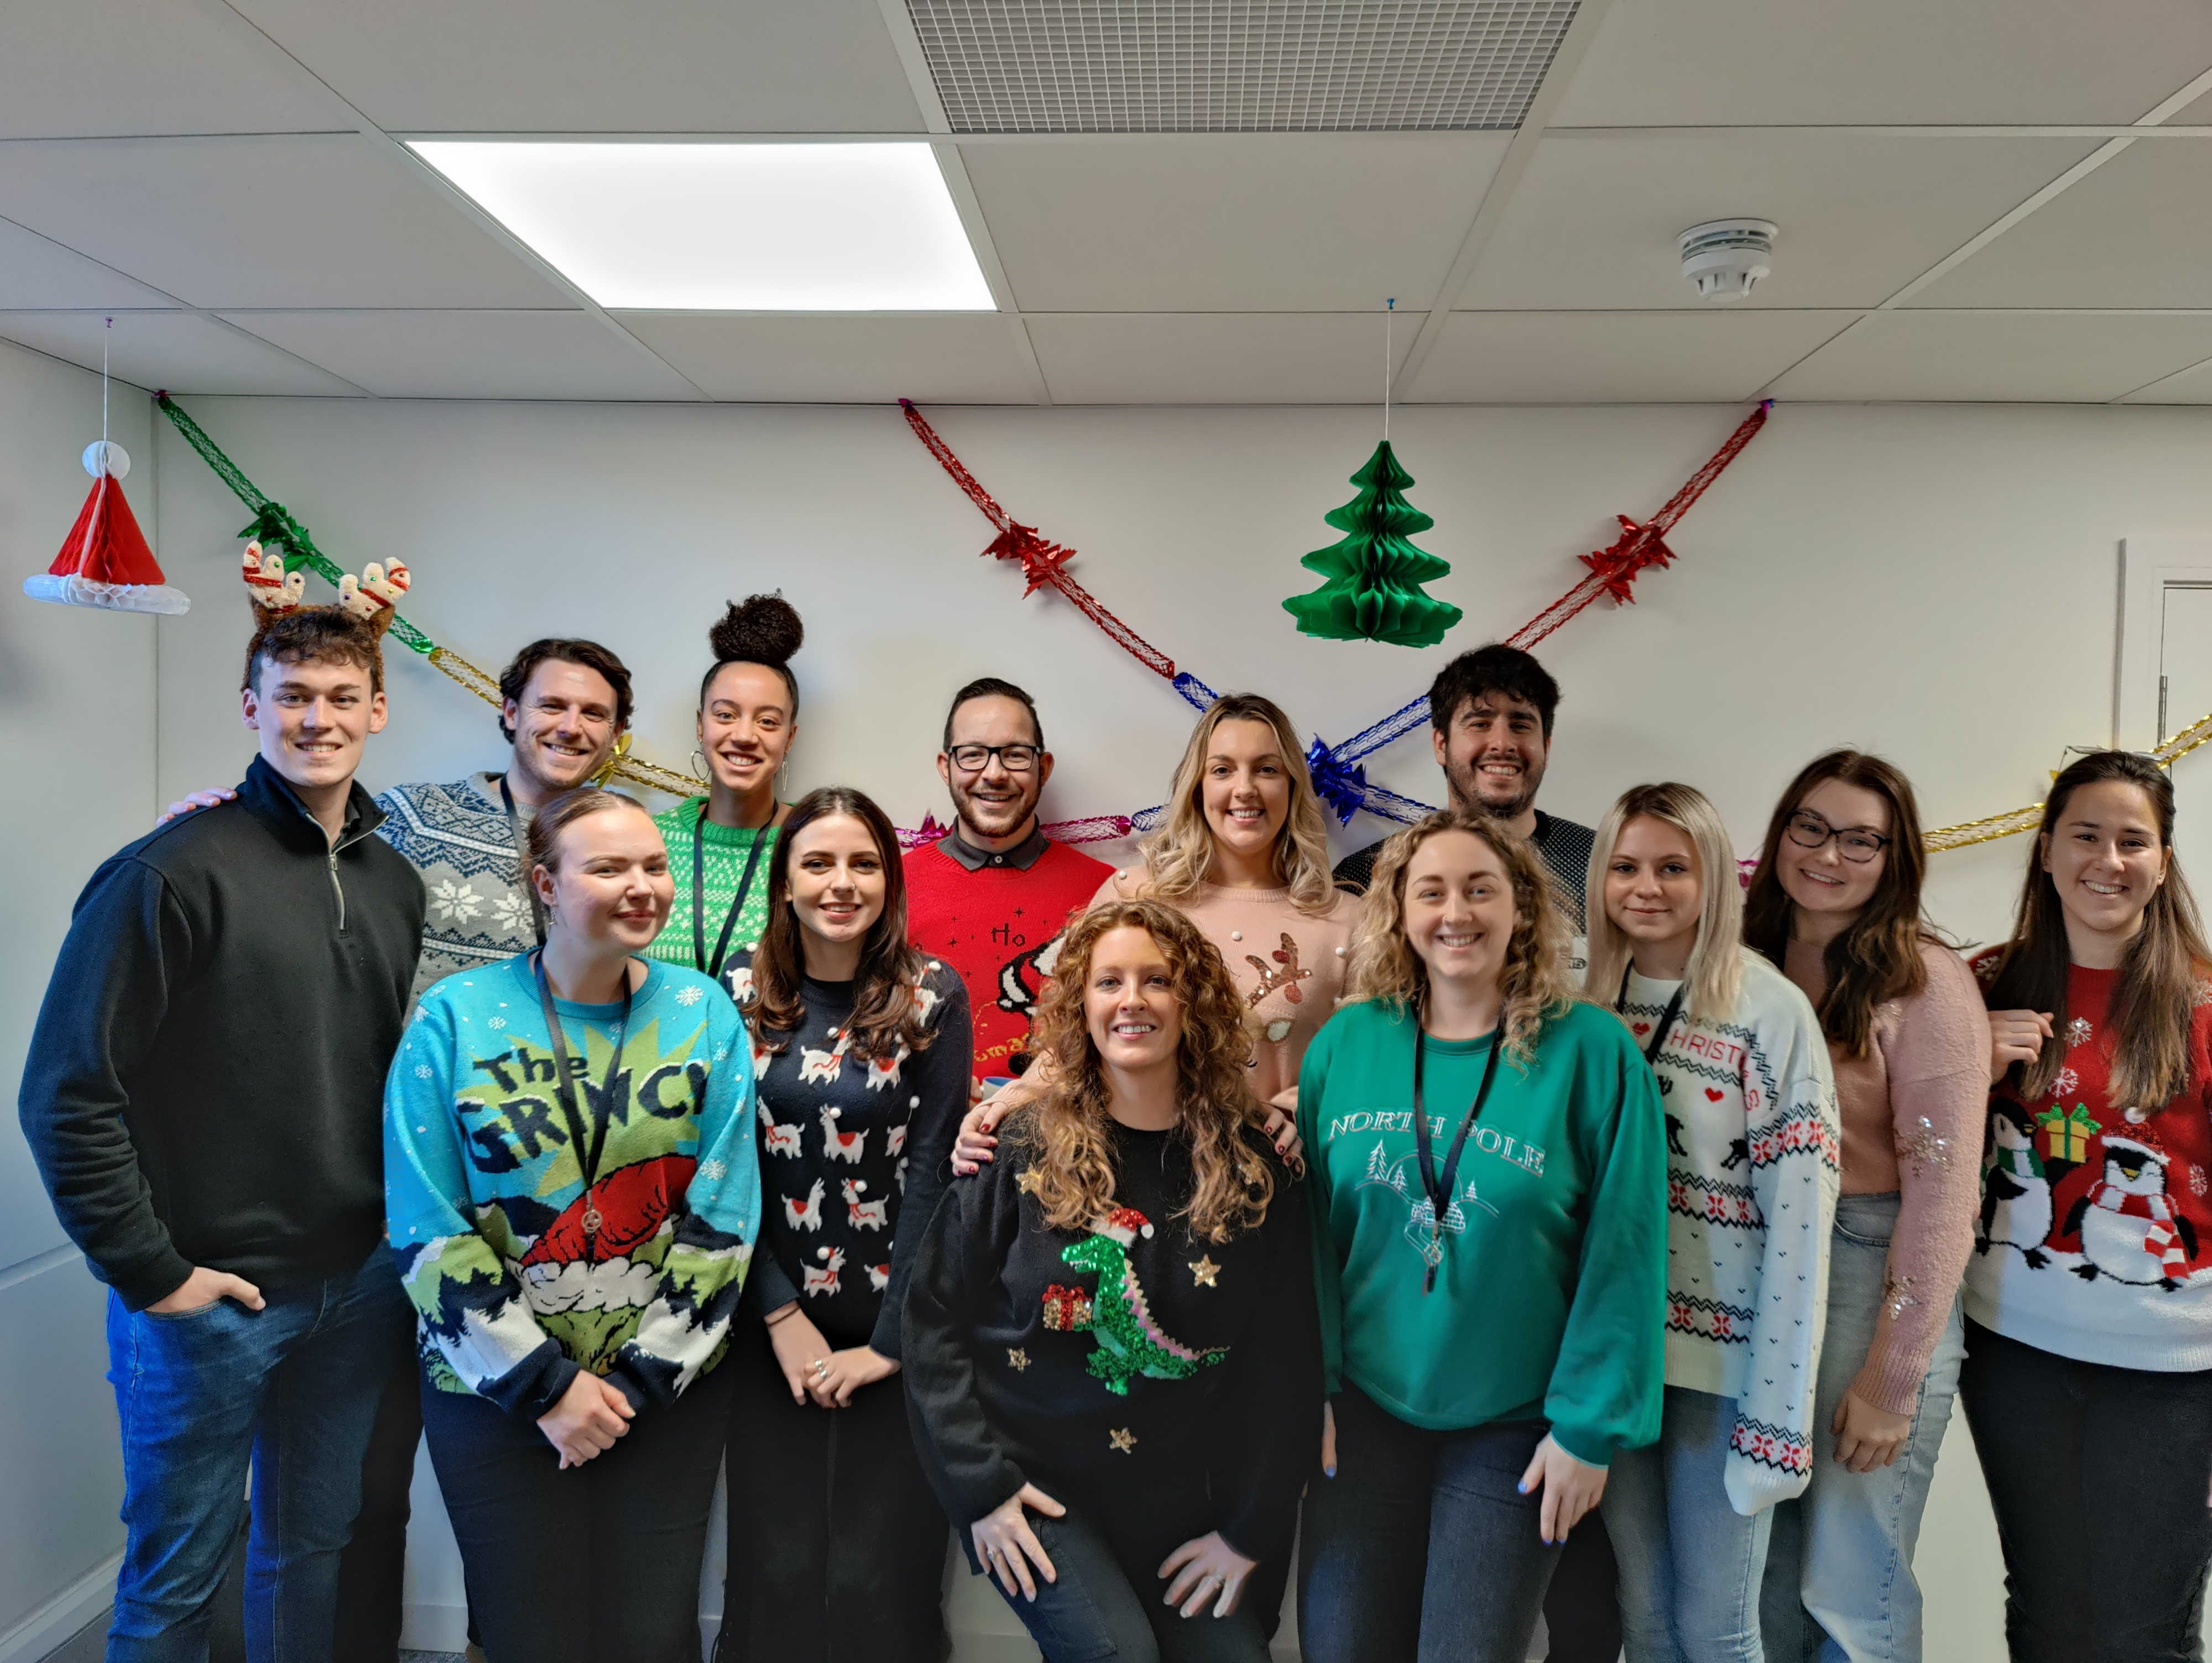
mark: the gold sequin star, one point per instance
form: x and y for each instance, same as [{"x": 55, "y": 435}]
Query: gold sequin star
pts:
[
  {"x": 1203, "y": 1270},
  {"x": 1016, "y": 1358},
  {"x": 1123, "y": 1440},
  {"x": 1030, "y": 1181}
]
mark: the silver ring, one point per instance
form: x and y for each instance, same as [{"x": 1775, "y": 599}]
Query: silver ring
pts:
[{"x": 820, "y": 1367}]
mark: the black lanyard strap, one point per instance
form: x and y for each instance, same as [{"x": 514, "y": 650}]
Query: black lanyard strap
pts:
[
  {"x": 699, "y": 893},
  {"x": 588, "y": 1150},
  {"x": 1439, "y": 1190},
  {"x": 1666, "y": 1022},
  {"x": 522, "y": 859}
]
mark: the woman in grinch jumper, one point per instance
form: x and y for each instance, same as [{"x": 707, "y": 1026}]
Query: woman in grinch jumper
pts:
[
  {"x": 1488, "y": 1180},
  {"x": 1750, "y": 1105},
  {"x": 2088, "y": 1374},
  {"x": 1111, "y": 1355}
]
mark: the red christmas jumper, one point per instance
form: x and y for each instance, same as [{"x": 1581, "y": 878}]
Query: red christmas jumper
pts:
[
  {"x": 2096, "y": 1229},
  {"x": 997, "y": 919}
]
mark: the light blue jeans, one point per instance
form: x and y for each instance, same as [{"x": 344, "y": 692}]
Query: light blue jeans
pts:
[
  {"x": 1839, "y": 1582},
  {"x": 1690, "y": 1563}
]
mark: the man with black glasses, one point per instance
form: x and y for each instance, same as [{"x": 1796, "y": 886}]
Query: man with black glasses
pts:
[{"x": 990, "y": 897}]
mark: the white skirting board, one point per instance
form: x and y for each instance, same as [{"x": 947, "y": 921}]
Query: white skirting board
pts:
[{"x": 62, "y": 1616}]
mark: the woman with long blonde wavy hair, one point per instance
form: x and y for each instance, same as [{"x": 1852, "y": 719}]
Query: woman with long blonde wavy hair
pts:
[
  {"x": 1112, "y": 1359},
  {"x": 1486, "y": 1171}
]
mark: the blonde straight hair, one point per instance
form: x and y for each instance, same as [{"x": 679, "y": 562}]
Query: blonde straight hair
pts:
[
  {"x": 1715, "y": 975},
  {"x": 1532, "y": 984},
  {"x": 1180, "y": 854}
]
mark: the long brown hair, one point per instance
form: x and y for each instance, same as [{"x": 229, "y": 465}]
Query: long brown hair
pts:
[
  {"x": 2159, "y": 975},
  {"x": 1533, "y": 984},
  {"x": 886, "y": 1012},
  {"x": 1064, "y": 1131},
  {"x": 1178, "y": 856},
  {"x": 1876, "y": 958}
]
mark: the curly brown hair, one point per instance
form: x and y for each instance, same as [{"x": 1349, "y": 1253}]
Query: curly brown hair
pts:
[
  {"x": 1533, "y": 983},
  {"x": 1064, "y": 1131}
]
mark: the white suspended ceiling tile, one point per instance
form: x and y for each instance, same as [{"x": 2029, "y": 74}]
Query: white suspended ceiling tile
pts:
[
  {"x": 1997, "y": 356},
  {"x": 1615, "y": 357},
  {"x": 1596, "y": 218},
  {"x": 471, "y": 354},
  {"x": 942, "y": 358},
  {"x": 74, "y": 68},
  {"x": 1231, "y": 222},
  {"x": 329, "y": 221},
  {"x": 1789, "y": 63},
  {"x": 180, "y": 351},
  {"x": 36, "y": 271},
  {"x": 2135, "y": 233},
  {"x": 1218, "y": 358},
  {"x": 580, "y": 66},
  {"x": 2192, "y": 385}
]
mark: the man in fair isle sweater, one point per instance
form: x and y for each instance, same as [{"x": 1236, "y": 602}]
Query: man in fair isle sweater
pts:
[{"x": 991, "y": 896}]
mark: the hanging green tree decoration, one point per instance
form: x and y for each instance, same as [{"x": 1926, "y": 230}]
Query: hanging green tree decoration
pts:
[{"x": 1375, "y": 574}]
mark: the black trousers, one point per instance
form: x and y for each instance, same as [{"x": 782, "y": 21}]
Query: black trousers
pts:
[
  {"x": 836, "y": 1547},
  {"x": 2099, "y": 1478},
  {"x": 597, "y": 1562}
]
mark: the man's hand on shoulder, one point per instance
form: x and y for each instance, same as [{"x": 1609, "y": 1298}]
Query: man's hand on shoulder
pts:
[{"x": 196, "y": 799}]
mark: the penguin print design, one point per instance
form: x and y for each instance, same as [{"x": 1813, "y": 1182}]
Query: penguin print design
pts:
[
  {"x": 2128, "y": 1226},
  {"x": 2015, "y": 1190}
]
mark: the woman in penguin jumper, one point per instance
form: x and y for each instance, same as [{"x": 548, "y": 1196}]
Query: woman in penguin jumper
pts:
[
  {"x": 1112, "y": 1360},
  {"x": 1488, "y": 1181},
  {"x": 860, "y": 1049},
  {"x": 2088, "y": 1374},
  {"x": 1835, "y": 905},
  {"x": 571, "y": 1192},
  {"x": 1752, "y": 1153}
]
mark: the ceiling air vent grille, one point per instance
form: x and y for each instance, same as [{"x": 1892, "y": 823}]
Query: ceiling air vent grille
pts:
[{"x": 1238, "y": 66}]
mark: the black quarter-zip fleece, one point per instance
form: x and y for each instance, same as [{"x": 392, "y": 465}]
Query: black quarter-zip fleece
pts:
[{"x": 205, "y": 1084}]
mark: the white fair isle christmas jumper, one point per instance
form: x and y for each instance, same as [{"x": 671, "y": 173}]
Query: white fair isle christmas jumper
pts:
[{"x": 1752, "y": 1138}]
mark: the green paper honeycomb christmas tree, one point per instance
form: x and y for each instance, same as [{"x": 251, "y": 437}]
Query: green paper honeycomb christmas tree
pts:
[{"x": 1375, "y": 574}]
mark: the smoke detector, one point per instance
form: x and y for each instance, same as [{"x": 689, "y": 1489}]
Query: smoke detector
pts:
[{"x": 1722, "y": 258}]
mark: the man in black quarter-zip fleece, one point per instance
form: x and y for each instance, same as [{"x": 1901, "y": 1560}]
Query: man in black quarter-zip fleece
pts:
[{"x": 203, "y": 1095}]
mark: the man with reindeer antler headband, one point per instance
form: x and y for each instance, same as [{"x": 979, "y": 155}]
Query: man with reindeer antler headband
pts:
[{"x": 203, "y": 1096}]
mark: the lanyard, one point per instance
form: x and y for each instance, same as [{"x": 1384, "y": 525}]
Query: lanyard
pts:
[
  {"x": 1439, "y": 1190},
  {"x": 1666, "y": 1022},
  {"x": 699, "y": 893},
  {"x": 587, "y": 1151},
  {"x": 522, "y": 859}
]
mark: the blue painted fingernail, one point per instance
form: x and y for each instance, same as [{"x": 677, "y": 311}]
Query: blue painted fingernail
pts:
[
  {"x": 1523, "y": 1486},
  {"x": 1328, "y": 1472}
]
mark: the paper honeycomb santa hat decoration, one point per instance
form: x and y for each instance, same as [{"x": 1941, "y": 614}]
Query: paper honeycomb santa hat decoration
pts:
[{"x": 105, "y": 562}]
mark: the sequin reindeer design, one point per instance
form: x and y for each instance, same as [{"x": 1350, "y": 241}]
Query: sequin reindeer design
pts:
[
  {"x": 1120, "y": 1317},
  {"x": 1278, "y": 972}
]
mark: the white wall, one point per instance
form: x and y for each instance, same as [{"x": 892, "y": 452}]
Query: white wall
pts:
[
  {"x": 77, "y": 741},
  {"x": 1937, "y": 583}
]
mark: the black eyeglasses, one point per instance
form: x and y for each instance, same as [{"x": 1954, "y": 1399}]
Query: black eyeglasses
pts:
[
  {"x": 974, "y": 759},
  {"x": 1857, "y": 844}
]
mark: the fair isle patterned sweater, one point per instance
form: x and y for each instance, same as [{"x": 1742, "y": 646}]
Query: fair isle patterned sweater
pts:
[
  {"x": 485, "y": 1198},
  {"x": 1751, "y": 1175},
  {"x": 459, "y": 838}
]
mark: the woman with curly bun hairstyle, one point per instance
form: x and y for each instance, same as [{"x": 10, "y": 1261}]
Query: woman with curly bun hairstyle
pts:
[
  {"x": 719, "y": 845},
  {"x": 1487, "y": 1181},
  {"x": 1112, "y": 1360}
]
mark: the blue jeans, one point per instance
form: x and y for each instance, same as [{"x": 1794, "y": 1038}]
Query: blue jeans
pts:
[
  {"x": 290, "y": 1391},
  {"x": 1691, "y": 1564},
  {"x": 1839, "y": 1582},
  {"x": 1422, "y": 1548}
]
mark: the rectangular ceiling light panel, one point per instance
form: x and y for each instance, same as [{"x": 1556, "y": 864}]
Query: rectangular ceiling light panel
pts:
[
  {"x": 731, "y": 228},
  {"x": 1238, "y": 66}
]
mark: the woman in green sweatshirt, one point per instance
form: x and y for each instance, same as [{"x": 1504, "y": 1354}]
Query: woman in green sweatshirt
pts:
[{"x": 1486, "y": 1170}]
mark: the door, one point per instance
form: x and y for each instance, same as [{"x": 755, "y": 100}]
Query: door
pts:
[{"x": 2185, "y": 669}]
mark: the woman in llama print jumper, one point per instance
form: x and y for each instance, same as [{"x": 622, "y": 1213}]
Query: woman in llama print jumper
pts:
[
  {"x": 1751, "y": 1154},
  {"x": 2088, "y": 1374},
  {"x": 572, "y": 1195}
]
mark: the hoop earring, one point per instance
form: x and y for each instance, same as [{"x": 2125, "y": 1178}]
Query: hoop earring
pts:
[
  {"x": 698, "y": 760},
  {"x": 779, "y": 775}
]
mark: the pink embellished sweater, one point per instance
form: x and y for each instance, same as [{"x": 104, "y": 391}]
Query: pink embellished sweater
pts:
[{"x": 1912, "y": 1110}]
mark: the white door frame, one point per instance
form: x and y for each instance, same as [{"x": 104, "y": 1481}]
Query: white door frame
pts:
[{"x": 2149, "y": 566}]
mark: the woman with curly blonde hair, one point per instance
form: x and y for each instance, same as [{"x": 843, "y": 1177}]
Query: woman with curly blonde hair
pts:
[
  {"x": 1112, "y": 1360},
  {"x": 1487, "y": 1176}
]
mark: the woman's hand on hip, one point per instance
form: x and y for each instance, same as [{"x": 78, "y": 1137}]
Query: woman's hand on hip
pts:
[
  {"x": 1206, "y": 1570},
  {"x": 590, "y": 1415},
  {"x": 1008, "y": 1547},
  {"x": 851, "y": 1370},
  {"x": 1571, "y": 1489},
  {"x": 1868, "y": 1438}
]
